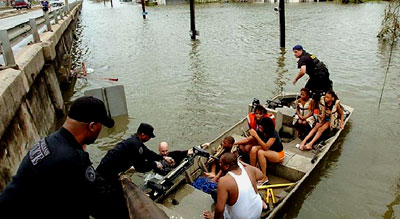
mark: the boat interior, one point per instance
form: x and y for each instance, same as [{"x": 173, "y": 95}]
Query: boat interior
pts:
[{"x": 175, "y": 191}]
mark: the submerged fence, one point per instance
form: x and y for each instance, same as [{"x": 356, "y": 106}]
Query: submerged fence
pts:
[{"x": 13, "y": 35}]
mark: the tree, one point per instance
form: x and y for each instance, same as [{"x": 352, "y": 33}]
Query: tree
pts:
[
  {"x": 390, "y": 31},
  {"x": 391, "y": 23}
]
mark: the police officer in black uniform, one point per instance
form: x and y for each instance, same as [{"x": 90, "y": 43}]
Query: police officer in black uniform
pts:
[
  {"x": 319, "y": 75},
  {"x": 56, "y": 179},
  {"x": 130, "y": 152}
]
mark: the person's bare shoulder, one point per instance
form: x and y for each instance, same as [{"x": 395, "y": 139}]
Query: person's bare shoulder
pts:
[
  {"x": 225, "y": 182},
  {"x": 224, "y": 179}
]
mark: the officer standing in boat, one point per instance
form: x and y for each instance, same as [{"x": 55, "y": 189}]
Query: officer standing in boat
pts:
[
  {"x": 309, "y": 64},
  {"x": 56, "y": 179}
]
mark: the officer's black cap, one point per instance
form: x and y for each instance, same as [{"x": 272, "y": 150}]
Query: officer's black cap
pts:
[
  {"x": 298, "y": 47},
  {"x": 146, "y": 129},
  {"x": 90, "y": 109}
]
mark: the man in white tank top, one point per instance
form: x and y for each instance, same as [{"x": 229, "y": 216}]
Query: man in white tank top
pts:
[{"x": 237, "y": 191}]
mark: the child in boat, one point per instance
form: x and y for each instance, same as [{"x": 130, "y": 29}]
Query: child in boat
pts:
[
  {"x": 265, "y": 142},
  {"x": 330, "y": 113},
  {"x": 304, "y": 119},
  {"x": 226, "y": 146}
]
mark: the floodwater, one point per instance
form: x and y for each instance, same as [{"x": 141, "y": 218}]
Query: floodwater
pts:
[{"x": 191, "y": 91}]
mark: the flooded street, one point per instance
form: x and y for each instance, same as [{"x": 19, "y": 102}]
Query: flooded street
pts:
[{"x": 191, "y": 91}]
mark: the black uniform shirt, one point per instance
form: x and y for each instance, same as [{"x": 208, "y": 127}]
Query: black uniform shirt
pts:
[
  {"x": 277, "y": 145},
  {"x": 53, "y": 181},
  {"x": 305, "y": 59},
  {"x": 130, "y": 152},
  {"x": 178, "y": 157}
]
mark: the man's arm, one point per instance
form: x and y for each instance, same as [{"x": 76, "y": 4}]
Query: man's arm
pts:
[
  {"x": 222, "y": 194},
  {"x": 148, "y": 160},
  {"x": 300, "y": 74}
]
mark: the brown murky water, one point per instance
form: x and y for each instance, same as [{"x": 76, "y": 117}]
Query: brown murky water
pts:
[{"x": 192, "y": 91}]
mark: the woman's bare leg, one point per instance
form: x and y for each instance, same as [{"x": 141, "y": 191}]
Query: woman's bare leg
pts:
[
  {"x": 253, "y": 155},
  {"x": 248, "y": 148},
  {"x": 310, "y": 135},
  {"x": 318, "y": 135},
  {"x": 264, "y": 157}
]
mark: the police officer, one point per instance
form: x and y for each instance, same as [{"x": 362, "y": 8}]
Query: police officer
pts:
[
  {"x": 56, "y": 179},
  {"x": 319, "y": 76},
  {"x": 130, "y": 152}
]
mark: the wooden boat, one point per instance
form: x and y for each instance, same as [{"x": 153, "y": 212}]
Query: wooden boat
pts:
[{"x": 285, "y": 178}]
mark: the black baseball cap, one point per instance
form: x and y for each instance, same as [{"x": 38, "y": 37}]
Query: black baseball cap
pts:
[
  {"x": 298, "y": 47},
  {"x": 90, "y": 109},
  {"x": 146, "y": 129}
]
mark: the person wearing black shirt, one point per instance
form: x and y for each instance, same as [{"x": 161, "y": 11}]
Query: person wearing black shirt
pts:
[
  {"x": 128, "y": 153},
  {"x": 56, "y": 178},
  {"x": 271, "y": 147},
  {"x": 176, "y": 156},
  {"x": 308, "y": 64}
]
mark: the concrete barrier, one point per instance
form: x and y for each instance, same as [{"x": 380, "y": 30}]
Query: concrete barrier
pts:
[{"x": 31, "y": 102}]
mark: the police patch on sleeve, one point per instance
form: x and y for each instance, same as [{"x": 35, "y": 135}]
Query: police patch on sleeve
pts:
[
  {"x": 90, "y": 174},
  {"x": 38, "y": 151}
]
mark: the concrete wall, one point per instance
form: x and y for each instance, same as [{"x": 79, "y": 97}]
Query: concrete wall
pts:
[{"x": 30, "y": 97}]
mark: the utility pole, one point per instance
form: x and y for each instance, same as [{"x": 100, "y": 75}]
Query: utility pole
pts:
[
  {"x": 143, "y": 10},
  {"x": 282, "y": 21},
  {"x": 192, "y": 21},
  {"x": 111, "y": 3}
]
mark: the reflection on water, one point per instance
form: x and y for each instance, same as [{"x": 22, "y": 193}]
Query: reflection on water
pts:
[
  {"x": 191, "y": 91},
  {"x": 281, "y": 70},
  {"x": 393, "y": 209}
]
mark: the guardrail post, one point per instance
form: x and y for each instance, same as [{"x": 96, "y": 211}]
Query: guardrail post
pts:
[
  {"x": 60, "y": 12},
  {"x": 46, "y": 18},
  {"x": 6, "y": 48},
  {"x": 34, "y": 29},
  {"x": 67, "y": 4},
  {"x": 55, "y": 14}
]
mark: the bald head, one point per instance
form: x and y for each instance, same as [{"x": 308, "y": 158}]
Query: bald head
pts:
[
  {"x": 163, "y": 148},
  {"x": 228, "y": 162},
  {"x": 84, "y": 133}
]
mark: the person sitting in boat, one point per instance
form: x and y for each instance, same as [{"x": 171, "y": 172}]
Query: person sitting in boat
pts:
[
  {"x": 254, "y": 118},
  {"x": 237, "y": 191},
  {"x": 267, "y": 140},
  {"x": 330, "y": 113},
  {"x": 304, "y": 119},
  {"x": 226, "y": 146},
  {"x": 176, "y": 158}
]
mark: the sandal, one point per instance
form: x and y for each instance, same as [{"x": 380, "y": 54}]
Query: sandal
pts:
[{"x": 263, "y": 183}]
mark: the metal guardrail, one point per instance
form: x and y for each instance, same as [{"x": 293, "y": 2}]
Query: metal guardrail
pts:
[{"x": 11, "y": 36}]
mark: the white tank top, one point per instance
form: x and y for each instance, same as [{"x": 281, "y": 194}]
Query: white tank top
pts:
[{"x": 249, "y": 203}]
